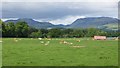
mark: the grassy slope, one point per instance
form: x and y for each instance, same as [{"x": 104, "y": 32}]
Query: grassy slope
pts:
[
  {"x": 112, "y": 26},
  {"x": 27, "y": 52}
]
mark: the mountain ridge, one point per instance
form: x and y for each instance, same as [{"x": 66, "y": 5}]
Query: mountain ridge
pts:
[{"x": 89, "y": 22}]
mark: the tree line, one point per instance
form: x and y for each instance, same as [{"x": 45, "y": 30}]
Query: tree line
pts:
[{"x": 22, "y": 30}]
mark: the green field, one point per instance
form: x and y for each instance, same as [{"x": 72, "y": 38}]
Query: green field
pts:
[
  {"x": 0, "y": 53},
  {"x": 45, "y": 52}
]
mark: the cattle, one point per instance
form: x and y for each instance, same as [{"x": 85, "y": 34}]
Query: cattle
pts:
[
  {"x": 65, "y": 42},
  {"x": 0, "y": 41},
  {"x": 78, "y": 40},
  {"x": 40, "y": 38}
]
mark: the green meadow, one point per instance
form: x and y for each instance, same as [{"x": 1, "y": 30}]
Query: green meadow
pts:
[
  {"x": 0, "y": 52},
  {"x": 59, "y": 52}
]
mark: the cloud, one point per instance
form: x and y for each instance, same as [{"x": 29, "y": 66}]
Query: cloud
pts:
[
  {"x": 58, "y": 12},
  {"x": 5, "y": 19},
  {"x": 56, "y": 9},
  {"x": 66, "y": 20},
  {"x": 60, "y": 0},
  {"x": 0, "y": 9}
]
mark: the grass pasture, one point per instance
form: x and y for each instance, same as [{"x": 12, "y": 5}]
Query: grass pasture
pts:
[
  {"x": 0, "y": 52},
  {"x": 45, "y": 52}
]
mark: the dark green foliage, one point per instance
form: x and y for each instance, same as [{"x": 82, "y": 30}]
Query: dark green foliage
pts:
[
  {"x": 10, "y": 28},
  {"x": 21, "y": 29},
  {"x": 3, "y": 29},
  {"x": 36, "y": 34},
  {"x": 54, "y": 33}
]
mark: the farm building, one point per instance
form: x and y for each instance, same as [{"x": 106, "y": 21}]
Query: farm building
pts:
[{"x": 100, "y": 38}]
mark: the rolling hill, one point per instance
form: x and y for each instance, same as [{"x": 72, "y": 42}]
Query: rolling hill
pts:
[
  {"x": 89, "y": 22},
  {"x": 33, "y": 23}
]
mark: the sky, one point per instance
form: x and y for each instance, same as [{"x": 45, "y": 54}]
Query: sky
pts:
[{"x": 58, "y": 11}]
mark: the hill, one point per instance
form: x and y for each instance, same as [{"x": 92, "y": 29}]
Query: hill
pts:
[
  {"x": 89, "y": 22},
  {"x": 33, "y": 23},
  {"x": 93, "y": 22}
]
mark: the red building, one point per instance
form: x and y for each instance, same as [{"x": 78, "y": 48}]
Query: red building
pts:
[{"x": 100, "y": 38}]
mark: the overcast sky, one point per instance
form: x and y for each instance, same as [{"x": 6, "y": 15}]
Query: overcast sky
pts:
[{"x": 58, "y": 12}]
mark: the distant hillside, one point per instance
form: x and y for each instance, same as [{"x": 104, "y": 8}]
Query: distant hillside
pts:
[
  {"x": 95, "y": 22},
  {"x": 89, "y": 22},
  {"x": 111, "y": 26},
  {"x": 33, "y": 23}
]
